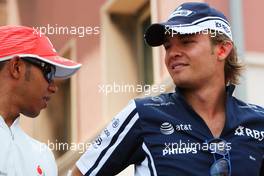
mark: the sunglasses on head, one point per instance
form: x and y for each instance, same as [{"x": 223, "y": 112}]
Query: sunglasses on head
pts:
[{"x": 47, "y": 69}]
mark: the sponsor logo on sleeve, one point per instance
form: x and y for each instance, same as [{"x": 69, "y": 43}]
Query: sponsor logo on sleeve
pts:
[
  {"x": 107, "y": 132},
  {"x": 97, "y": 142},
  {"x": 115, "y": 123}
]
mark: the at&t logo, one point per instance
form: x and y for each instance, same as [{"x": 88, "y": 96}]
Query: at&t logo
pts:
[{"x": 166, "y": 128}]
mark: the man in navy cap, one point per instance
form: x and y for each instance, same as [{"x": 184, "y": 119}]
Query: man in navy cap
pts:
[{"x": 200, "y": 129}]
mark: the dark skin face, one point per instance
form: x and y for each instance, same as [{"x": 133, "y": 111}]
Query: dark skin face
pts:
[
  {"x": 40, "y": 90},
  {"x": 26, "y": 90}
]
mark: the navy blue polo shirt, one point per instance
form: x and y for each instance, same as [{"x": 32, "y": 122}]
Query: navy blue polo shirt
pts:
[{"x": 164, "y": 136}]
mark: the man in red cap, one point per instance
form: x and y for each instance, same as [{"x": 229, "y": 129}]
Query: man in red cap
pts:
[{"x": 28, "y": 66}]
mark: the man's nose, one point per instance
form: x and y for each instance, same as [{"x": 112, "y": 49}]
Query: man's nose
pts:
[
  {"x": 53, "y": 88},
  {"x": 175, "y": 51}
]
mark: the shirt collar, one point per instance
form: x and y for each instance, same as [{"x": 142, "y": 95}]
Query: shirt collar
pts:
[
  {"x": 2, "y": 121},
  {"x": 231, "y": 121},
  {"x": 229, "y": 90},
  {"x": 13, "y": 126}
]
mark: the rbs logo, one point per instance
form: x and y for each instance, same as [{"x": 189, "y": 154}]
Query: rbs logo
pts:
[{"x": 242, "y": 131}]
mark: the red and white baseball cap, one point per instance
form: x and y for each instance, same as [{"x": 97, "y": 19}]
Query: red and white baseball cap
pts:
[{"x": 27, "y": 42}]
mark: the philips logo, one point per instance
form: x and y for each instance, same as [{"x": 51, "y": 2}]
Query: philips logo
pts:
[{"x": 166, "y": 128}]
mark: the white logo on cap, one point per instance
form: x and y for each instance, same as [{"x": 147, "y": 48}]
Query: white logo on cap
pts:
[
  {"x": 181, "y": 12},
  {"x": 223, "y": 26}
]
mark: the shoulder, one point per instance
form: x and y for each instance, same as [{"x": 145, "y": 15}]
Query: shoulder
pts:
[
  {"x": 156, "y": 106},
  {"x": 41, "y": 152},
  {"x": 249, "y": 109},
  {"x": 37, "y": 146},
  {"x": 164, "y": 99},
  {"x": 41, "y": 148}
]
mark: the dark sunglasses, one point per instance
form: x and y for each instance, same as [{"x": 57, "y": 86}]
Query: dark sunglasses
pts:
[
  {"x": 222, "y": 164},
  {"x": 47, "y": 69}
]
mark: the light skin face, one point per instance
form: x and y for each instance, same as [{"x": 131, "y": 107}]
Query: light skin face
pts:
[
  {"x": 192, "y": 61},
  {"x": 26, "y": 90}
]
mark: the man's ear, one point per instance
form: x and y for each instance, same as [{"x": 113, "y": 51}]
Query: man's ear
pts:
[
  {"x": 15, "y": 67},
  {"x": 223, "y": 50}
]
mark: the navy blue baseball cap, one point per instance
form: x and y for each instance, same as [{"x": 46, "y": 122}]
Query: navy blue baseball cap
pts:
[{"x": 189, "y": 18}]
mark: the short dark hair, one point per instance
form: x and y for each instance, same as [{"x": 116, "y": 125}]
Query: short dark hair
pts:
[{"x": 2, "y": 64}]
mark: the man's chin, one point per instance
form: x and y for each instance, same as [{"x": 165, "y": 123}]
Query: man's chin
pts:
[
  {"x": 183, "y": 84},
  {"x": 31, "y": 114},
  {"x": 180, "y": 83}
]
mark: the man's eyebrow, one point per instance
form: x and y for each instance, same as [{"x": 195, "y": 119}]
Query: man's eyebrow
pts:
[
  {"x": 180, "y": 37},
  {"x": 166, "y": 40}
]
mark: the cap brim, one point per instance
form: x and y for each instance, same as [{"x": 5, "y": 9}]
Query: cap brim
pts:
[
  {"x": 64, "y": 67},
  {"x": 155, "y": 34}
]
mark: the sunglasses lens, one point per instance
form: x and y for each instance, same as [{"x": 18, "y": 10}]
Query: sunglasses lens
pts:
[
  {"x": 218, "y": 146},
  {"x": 49, "y": 73},
  {"x": 47, "y": 69},
  {"x": 220, "y": 168}
]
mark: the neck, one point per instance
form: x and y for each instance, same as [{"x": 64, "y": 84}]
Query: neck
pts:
[
  {"x": 9, "y": 118},
  {"x": 207, "y": 101},
  {"x": 8, "y": 110}
]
